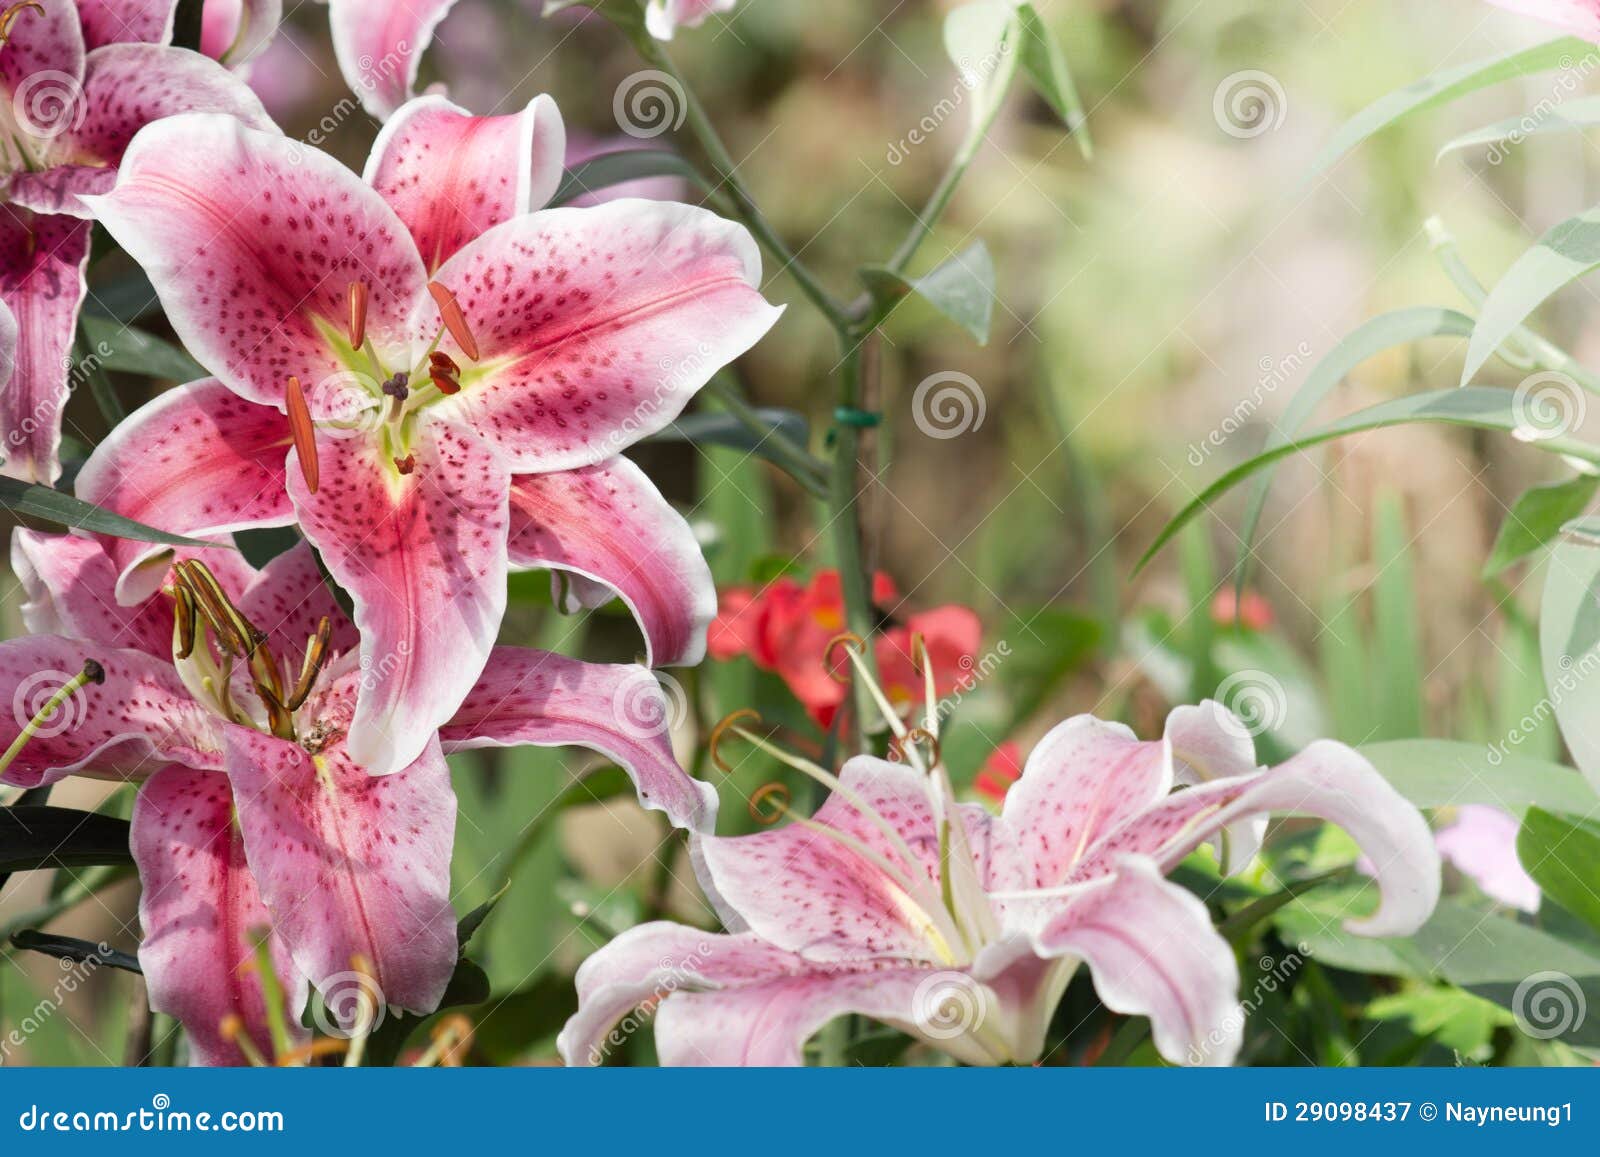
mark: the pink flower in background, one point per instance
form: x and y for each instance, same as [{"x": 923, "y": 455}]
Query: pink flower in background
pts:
[
  {"x": 456, "y": 375},
  {"x": 786, "y": 627},
  {"x": 75, "y": 94},
  {"x": 1579, "y": 17},
  {"x": 231, "y": 31},
  {"x": 1482, "y": 844},
  {"x": 234, "y": 711},
  {"x": 664, "y": 17},
  {"x": 963, "y": 928}
]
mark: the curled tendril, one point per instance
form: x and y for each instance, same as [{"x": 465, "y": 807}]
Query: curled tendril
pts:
[
  {"x": 845, "y": 639},
  {"x": 897, "y": 749},
  {"x": 721, "y": 730},
  {"x": 775, "y": 793}
]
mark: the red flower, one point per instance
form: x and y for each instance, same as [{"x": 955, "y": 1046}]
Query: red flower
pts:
[
  {"x": 1253, "y": 612},
  {"x": 1004, "y": 768}
]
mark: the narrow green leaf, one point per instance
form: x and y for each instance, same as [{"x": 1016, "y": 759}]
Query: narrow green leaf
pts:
[
  {"x": 123, "y": 348},
  {"x": 469, "y": 924},
  {"x": 723, "y": 429},
  {"x": 1569, "y": 631},
  {"x": 1046, "y": 67},
  {"x": 31, "y": 500},
  {"x": 1445, "y": 86},
  {"x": 1448, "y": 773},
  {"x": 1536, "y": 519},
  {"x": 1562, "y": 854},
  {"x": 1373, "y": 337},
  {"x": 961, "y": 288},
  {"x": 1566, "y": 252},
  {"x": 1479, "y": 408},
  {"x": 32, "y": 838},
  {"x": 1572, "y": 116},
  {"x": 618, "y": 168},
  {"x": 74, "y": 950}
]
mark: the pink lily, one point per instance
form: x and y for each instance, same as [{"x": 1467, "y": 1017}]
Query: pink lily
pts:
[
  {"x": 231, "y": 695},
  {"x": 231, "y": 31},
  {"x": 664, "y": 17},
  {"x": 961, "y": 928},
  {"x": 68, "y": 107},
  {"x": 457, "y": 376},
  {"x": 1579, "y": 17},
  {"x": 1482, "y": 844}
]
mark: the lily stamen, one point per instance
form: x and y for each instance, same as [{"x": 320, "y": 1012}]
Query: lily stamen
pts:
[
  {"x": 311, "y": 666},
  {"x": 303, "y": 432},
  {"x": 454, "y": 320},
  {"x": 358, "y": 314},
  {"x": 92, "y": 672}
]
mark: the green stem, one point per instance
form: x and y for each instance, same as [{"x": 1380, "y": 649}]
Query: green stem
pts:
[
  {"x": 743, "y": 205},
  {"x": 845, "y": 510},
  {"x": 794, "y": 458}
]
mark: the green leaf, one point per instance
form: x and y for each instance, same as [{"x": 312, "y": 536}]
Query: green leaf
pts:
[
  {"x": 514, "y": 1024},
  {"x": 1385, "y": 332},
  {"x": 961, "y": 288},
  {"x": 618, "y": 168},
  {"x": 1445, "y": 86},
  {"x": 1562, "y": 854},
  {"x": 1566, "y": 252},
  {"x": 1536, "y": 519},
  {"x": 469, "y": 924},
  {"x": 708, "y": 428},
  {"x": 1478, "y": 408},
  {"x": 981, "y": 40},
  {"x": 1571, "y": 116},
  {"x": 1046, "y": 67},
  {"x": 77, "y": 951},
  {"x": 31, "y": 500},
  {"x": 1455, "y": 1018},
  {"x": 1447, "y": 773},
  {"x": 32, "y": 838},
  {"x": 128, "y": 350},
  {"x": 1569, "y": 630}
]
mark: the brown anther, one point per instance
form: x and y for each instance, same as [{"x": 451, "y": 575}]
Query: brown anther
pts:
[
  {"x": 843, "y": 639},
  {"x": 443, "y": 381},
  {"x": 236, "y": 634},
  {"x": 720, "y": 730},
  {"x": 93, "y": 672},
  {"x": 777, "y": 795},
  {"x": 304, "y": 434},
  {"x": 358, "y": 313},
  {"x": 323, "y": 1046},
  {"x": 311, "y": 666},
  {"x": 897, "y": 750},
  {"x": 183, "y": 616},
  {"x": 455, "y": 1032},
  {"x": 407, "y": 464},
  {"x": 454, "y": 320},
  {"x": 920, "y": 661},
  {"x": 9, "y": 16},
  {"x": 440, "y": 360}
]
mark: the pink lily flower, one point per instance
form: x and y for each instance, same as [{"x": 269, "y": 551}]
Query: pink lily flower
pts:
[
  {"x": 1579, "y": 17},
  {"x": 456, "y": 377},
  {"x": 963, "y": 928},
  {"x": 1482, "y": 844},
  {"x": 230, "y": 695},
  {"x": 231, "y": 31},
  {"x": 69, "y": 104},
  {"x": 664, "y": 17}
]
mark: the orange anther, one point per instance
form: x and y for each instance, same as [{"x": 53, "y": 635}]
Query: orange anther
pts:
[
  {"x": 454, "y": 320},
  {"x": 304, "y": 434}
]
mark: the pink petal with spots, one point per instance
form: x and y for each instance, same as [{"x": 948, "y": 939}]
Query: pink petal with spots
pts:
[
  {"x": 233, "y": 31},
  {"x": 197, "y": 461},
  {"x": 609, "y": 523},
  {"x": 127, "y": 21},
  {"x": 139, "y": 719},
  {"x": 41, "y": 71},
  {"x": 1084, "y": 779},
  {"x": 288, "y": 598},
  {"x": 71, "y": 586},
  {"x": 1579, "y": 17},
  {"x": 535, "y": 697},
  {"x": 379, "y": 46},
  {"x": 127, "y": 86},
  {"x": 41, "y": 282},
  {"x": 596, "y": 326},
  {"x": 1327, "y": 780},
  {"x": 810, "y": 893},
  {"x": 423, "y": 556},
  {"x": 451, "y": 175},
  {"x": 200, "y": 912},
  {"x": 1211, "y": 742},
  {"x": 351, "y": 864},
  {"x": 664, "y": 17},
  {"x": 1152, "y": 951},
  {"x": 252, "y": 241}
]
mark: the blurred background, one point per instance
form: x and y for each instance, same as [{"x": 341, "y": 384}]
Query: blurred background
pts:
[{"x": 1158, "y": 306}]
